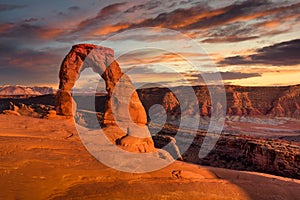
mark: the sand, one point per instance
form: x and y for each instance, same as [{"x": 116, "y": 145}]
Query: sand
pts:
[{"x": 45, "y": 159}]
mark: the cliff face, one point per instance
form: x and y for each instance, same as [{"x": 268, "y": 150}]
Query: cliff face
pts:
[
  {"x": 242, "y": 153},
  {"x": 236, "y": 151},
  {"x": 241, "y": 101},
  {"x": 252, "y": 154}
]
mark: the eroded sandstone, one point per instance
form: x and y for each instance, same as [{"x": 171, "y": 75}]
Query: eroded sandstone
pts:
[{"x": 123, "y": 104}]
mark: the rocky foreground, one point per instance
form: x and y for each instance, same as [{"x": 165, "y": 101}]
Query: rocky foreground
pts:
[{"x": 45, "y": 159}]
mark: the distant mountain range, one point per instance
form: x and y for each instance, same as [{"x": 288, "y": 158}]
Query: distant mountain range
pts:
[{"x": 17, "y": 90}]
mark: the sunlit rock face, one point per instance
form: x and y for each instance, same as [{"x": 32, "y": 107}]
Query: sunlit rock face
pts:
[
  {"x": 73, "y": 64},
  {"x": 283, "y": 101},
  {"x": 123, "y": 104}
]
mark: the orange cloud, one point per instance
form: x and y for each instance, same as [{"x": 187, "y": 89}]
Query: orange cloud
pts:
[
  {"x": 5, "y": 27},
  {"x": 240, "y": 12},
  {"x": 156, "y": 57},
  {"x": 50, "y": 33},
  {"x": 108, "y": 29}
]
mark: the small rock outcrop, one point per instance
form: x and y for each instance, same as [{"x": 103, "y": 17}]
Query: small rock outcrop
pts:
[
  {"x": 123, "y": 103},
  {"x": 33, "y": 110}
]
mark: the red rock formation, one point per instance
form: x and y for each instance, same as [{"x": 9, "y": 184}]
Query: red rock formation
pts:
[
  {"x": 241, "y": 101},
  {"x": 241, "y": 104},
  {"x": 243, "y": 153},
  {"x": 123, "y": 104},
  {"x": 288, "y": 104},
  {"x": 118, "y": 96},
  {"x": 170, "y": 101},
  {"x": 71, "y": 67}
]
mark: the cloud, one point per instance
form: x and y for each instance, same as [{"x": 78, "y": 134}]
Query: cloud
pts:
[
  {"x": 240, "y": 21},
  {"x": 5, "y": 27},
  {"x": 244, "y": 11},
  {"x": 8, "y": 7},
  {"x": 237, "y": 75},
  {"x": 232, "y": 38},
  {"x": 197, "y": 79},
  {"x": 280, "y": 54},
  {"x": 105, "y": 30},
  {"x": 29, "y": 66},
  {"x": 29, "y": 31},
  {"x": 154, "y": 56},
  {"x": 175, "y": 19},
  {"x": 146, "y": 6},
  {"x": 110, "y": 9},
  {"x": 103, "y": 15},
  {"x": 234, "y": 32},
  {"x": 271, "y": 22},
  {"x": 236, "y": 12},
  {"x": 74, "y": 8},
  {"x": 203, "y": 16},
  {"x": 29, "y": 20},
  {"x": 226, "y": 24},
  {"x": 148, "y": 76}
]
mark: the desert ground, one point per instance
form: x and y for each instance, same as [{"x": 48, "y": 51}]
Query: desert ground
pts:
[{"x": 45, "y": 159}]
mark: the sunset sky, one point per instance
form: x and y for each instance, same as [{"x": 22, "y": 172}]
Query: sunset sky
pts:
[{"x": 248, "y": 42}]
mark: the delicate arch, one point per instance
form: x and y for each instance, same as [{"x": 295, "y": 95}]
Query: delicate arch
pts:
[{"x": 101, "y": 60}]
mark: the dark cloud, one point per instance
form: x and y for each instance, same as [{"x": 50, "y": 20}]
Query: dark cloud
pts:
[
  {"x": 5, "y": 27},
  {"x": 23, "y": 30},
  {"x": 229, "y": 39},
  {"x": 236, "y": 12},
  {"x": 71, "y": 11},
  {"x": 32, "y": 19},
  {"x": 226, "y": 75},
  {"x": 175, "y": 19},
  {"x": 139, "y": 70},
  {"x": 29, "y": 66},
  {"x": 185, "y": 2},
  {"x": 154, "y": 56},
  {"x": 110, "y": 9},
  {"x": 202, "y": 16},
  {"x": 237, "y": 75},
  {"x": 8, "y": 7},
  {"x": 103, "y": 15},
  {"x": 147, "y": 6},
  {"x": 213, "y": 25},
  {"x": 28, "y": 31},
  {"x": 135, "y": 8},
  {"x": 234, "y": 32},
  {"x": 268, "y": 24},
  {"x": 74, "y": 8},
  {"x": 284, "y": 53},
  {"x": 226, "y": 24}
]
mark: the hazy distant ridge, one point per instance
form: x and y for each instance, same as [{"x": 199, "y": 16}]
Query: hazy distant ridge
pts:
[{"x": 9, "y": 90}]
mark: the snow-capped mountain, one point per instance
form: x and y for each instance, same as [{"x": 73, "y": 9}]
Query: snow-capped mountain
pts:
[{"x": 9, "y": 90}]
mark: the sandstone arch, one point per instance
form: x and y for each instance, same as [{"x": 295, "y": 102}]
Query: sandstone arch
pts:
[{"x": 101, "y": 60}]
